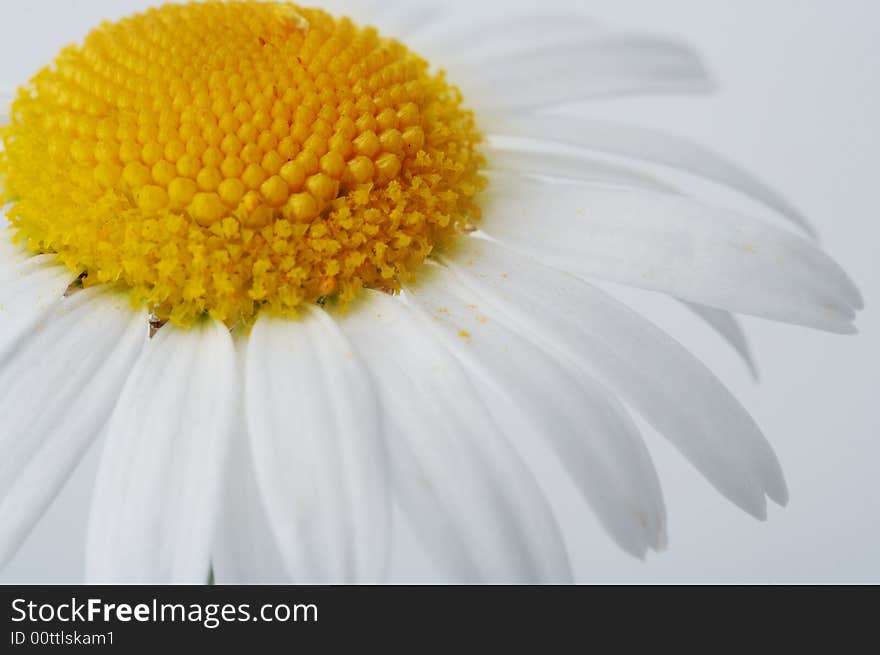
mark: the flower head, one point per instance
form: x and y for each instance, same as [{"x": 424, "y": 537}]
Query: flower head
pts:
[
  {"x": 269, "y": 253},
  {"x": 221, "y": 157}
]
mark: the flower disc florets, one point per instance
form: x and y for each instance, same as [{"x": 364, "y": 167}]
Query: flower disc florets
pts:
[{"x": 226, "y": 156}]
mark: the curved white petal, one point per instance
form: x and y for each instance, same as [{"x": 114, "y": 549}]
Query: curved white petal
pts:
[
  {"x": 466, "y": 491},
  {"x": 60, "y": 387},
  {"x": 11, "y": 253},
  {"x": 647, "y": 145},
  {"x": 600, "y": 65},
  {"x": 315, "y": 429},
  {"x": 29, "y": 286},
  {"x": 587, "y": 427},
  {"x": 245, "y": 550},
  {"x": 648, "y": 369},
  {"x": 393, "y": 19},
  {"x": 567, "y": 165},
  {"x": 675, "y": 245},
  {"x": 159, "y": 485},
  {"x": 404, "y": 21},
  {"x": 728, "y": 326},
  {"x": 502, "y": 35}
]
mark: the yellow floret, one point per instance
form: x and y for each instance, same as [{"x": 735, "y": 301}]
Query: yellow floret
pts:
[{"x": 227, "y": 157}]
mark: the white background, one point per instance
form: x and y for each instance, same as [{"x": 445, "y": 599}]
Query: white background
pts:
[{"x": 799, "y": 104}]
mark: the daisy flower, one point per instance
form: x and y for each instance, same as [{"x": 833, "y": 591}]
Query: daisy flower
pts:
[{"x": 296, "y": 276}]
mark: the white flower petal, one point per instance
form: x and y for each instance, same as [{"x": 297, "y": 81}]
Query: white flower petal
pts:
[
  {"x": 573, "y": 166},
  {"x": 601, "y": 65},
  {"x": 647, "y": 145},
  {"x": 29, "y": 286},
  {"x": 503, "y": 35},
  {"x": 403, "y": 21},
  {"x": 11, "y": 254},
  {"x": 728, "y": 326},
  {"x": 648, "y": 369},
  {"x": 593, "y": 436},
  {"x": 158, "y": 489},
  {"x": 315, "y": 427},
  {"x": 674, "y": 245},
  {"x": 245, "y": 550},
  {"x": 466, "y": 491},
  {"x": 60, "y": 387}
]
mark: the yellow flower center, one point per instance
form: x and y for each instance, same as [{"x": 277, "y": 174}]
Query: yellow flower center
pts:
[{"x": 224, "y": 157}]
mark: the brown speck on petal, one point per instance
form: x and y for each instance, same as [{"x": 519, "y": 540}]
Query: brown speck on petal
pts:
[
  {"x": 155, "y": 325},
  {"x": 74, "y": 286}
]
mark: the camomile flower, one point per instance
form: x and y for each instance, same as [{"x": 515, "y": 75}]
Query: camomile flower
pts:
[{"x": 294, "y": 276}]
